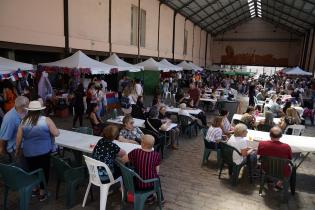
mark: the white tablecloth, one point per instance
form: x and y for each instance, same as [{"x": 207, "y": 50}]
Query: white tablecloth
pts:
[
  {"x": 209, "y": 100},
  {"x": 138, "y": 122},
  {"x": 258, "y": 118},
  {"x": 118, "y": 120},
  {"x": 85, "y": 143},
  {"x": 190, "y": 111},
  {"x": 297, "y": 143}
]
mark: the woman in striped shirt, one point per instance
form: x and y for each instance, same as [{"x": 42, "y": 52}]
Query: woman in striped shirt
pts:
[
  {"x": 214, "y": 133},
  {"x": 227, "y": 127}
]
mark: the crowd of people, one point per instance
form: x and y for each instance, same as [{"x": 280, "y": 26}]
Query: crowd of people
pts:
[{"x": 27, "y": 134}]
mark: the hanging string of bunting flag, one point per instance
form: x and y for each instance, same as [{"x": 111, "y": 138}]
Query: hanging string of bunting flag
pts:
[{"x": 15, "y": 75}]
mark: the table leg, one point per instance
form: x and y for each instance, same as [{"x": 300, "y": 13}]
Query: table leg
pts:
[{"x": 302, "y": 160}]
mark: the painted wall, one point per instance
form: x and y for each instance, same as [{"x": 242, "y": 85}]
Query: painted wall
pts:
[
  {"x": 166, "y": 32},
  {"x": 152, "y": 11},
  {"x": 88, "y": 24},
  {"x": 257, "y": 43},
  {"x": 38, "y": 24},
  {"x": 179, "y": 37},
  {"x": 196, "y": 46},
  {"x": 190, "y": 28},
  {"x": 121, "y": 26}
]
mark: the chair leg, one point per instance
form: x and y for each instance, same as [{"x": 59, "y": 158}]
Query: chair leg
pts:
[
  {"x": 235, "y": 175},
  {"x": 285, "y": 190},
  {"x": 103, "y": 196},
  {"x": 57, "y": 188},
  {"x": 262, "y": 183},
  {"x": 206, "y": 154},
  {"x": 86, "y": 194},
  {"x": 219, "y": 157},
  {"x": 221, "y": 167},
  {"x": 122, "y": 190},
  {"x": 138, "y": 202},
  {"x": 70, "y": 194},
  {"x": 159, "y": 196},
  {"x": 5, "y": 198},
  {"x": 25, "y": 195}
]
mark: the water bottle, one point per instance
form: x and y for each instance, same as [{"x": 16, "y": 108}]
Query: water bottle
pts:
[{"x": 114, "y": 115}]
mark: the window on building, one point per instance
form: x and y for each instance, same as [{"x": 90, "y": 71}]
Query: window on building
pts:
[
  {"x": 142, "y": 27},
  {"x": 185, "y": 41},
  {"x": 134, "y": 26}
]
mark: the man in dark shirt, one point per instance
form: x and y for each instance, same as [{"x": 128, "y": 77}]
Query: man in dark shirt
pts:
[
  {"x": 275, "y": 148},
  {"x": 194, "y": 94}
]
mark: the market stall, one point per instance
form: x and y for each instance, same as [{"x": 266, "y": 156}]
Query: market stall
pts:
[
  {"x": 74, "y": 66},
  {"x": 152, "y": 74}
]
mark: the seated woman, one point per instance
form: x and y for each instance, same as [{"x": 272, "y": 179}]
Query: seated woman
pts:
[
  {"x": 138, "y": 109},
  {"x": 106, "y": 151},
  {"x": 183, "y": 111},
  {"x": 239, "y": 142},
  {"x": 287, "y": 105},
  {"x": 248, "y": 117},
  {"x": 227, "y": 127},
  {"x": 214, "y": 133},
  {"x": 267, "y": 124},
  {"x": 156, "y": 125},
  {"x": 291, "y": 118},
  {"x": 129, "y": 133},
  {"x": 96, "y": 122}
]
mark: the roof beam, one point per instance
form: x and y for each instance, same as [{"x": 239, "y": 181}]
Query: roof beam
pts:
[
  {"x": 224, "y": 23},
  {"x": 219, "y": 10},
  {"x": 310, "y": 2},
  {"x": 284, "y": 27},
  {"x": 286, "y": 20},
  {"x": 285, "y": 13},
  {"x": 184, "y": 5},
  {"x": 292, "y": 7},
  {"x": 241, "y": 21},
  {"x": 225, "y": 16},
  {"x": 203, "y": 8}
]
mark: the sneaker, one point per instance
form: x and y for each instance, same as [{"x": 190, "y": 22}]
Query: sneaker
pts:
[
  {"x": 43, "y": 197},
  {"x": 35, "y": 193}
]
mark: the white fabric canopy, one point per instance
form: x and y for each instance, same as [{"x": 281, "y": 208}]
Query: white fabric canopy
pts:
[
  {"x": 195, "y": 67},
  {"x": 297, "y": 71},
  {"x": 8, "y": 66},
  {"x": 170, "y": 65},
  {"x": 185, "y": 65},
  {"x": 123, "y": 65},
  {"x": 152, "y": 65},
  {"x": 80, "y": 60}
]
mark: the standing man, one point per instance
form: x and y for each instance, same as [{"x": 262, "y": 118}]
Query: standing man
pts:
[
  {"x": 139, "y": 89},
  {"x": 194, "y": 94},
  {"x": 9, "y": 127}
]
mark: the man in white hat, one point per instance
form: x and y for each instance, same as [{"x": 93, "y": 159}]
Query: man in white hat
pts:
[{"x": 9, "y": 126}]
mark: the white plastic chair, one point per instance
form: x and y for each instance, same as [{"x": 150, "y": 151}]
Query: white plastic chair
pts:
[
  {"x": 258, "y": 103},
  {"x": 92, "y": 166},
  {"x": 297, "y": 130}
]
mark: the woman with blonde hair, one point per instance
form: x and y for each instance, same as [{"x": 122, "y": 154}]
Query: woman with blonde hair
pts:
[{"x": 291, "y": 118}]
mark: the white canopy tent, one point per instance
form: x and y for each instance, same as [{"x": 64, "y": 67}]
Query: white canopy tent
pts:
[
  {"x": 297, "y": 71},
  {"x": 195, "y": 67},
  {"x": 170, "y": 65},
  {"x": 123, "y": 65},
  {"x": 8, "y": 66},
  {"x": 185, "y": 65},
  {"x": 80, "y": 60},
  {"x": 151, "y": 65}
]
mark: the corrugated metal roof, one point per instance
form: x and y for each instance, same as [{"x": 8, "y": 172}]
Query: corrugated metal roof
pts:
[{"x": 218, "y": 16}]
